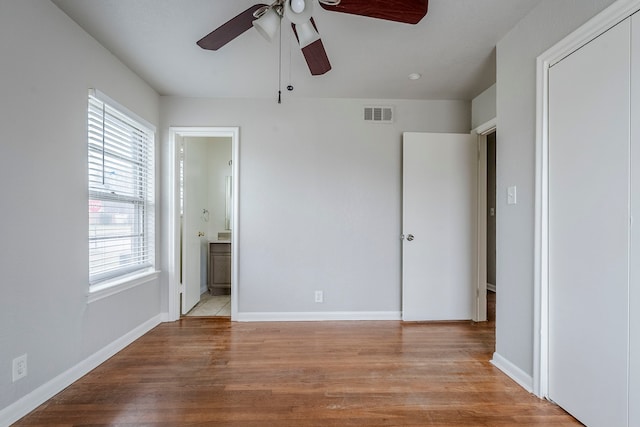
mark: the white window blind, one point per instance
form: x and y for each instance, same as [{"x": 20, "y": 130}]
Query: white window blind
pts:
[{"x": 121, "y": 190}]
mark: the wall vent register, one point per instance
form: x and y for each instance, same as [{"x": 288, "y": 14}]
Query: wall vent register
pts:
[{"x": 378, "y": 114}]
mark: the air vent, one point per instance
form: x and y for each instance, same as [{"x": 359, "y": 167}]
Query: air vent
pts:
[{"x": 378, "y": 114}]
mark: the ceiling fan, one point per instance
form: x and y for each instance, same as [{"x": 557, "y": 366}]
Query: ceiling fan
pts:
[{"x": 266, "y": 19}]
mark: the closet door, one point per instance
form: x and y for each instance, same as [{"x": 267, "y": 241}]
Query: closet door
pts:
[{"x": 589, "y": 93}]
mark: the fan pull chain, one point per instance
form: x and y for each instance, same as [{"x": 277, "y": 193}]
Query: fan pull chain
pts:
[
  {"x": 290, "y": 87},
  {"x": 280, "y": 66}
]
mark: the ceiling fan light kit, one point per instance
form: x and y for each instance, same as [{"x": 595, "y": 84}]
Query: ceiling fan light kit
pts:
[
  {"x": 297, "y": 5},
  {"x": 268, "y": 24},
  {"x": 307, "y": 34},
  {"x": 266, "y": 19},
  {"x": 301, "y": 17}
]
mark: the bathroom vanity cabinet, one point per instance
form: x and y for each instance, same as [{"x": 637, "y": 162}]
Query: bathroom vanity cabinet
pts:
[{"x": 219, "y": 271}]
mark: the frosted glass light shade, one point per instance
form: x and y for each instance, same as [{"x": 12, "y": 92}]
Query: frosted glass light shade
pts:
[
  {"x": 307, "y": 34},
  {"x": 268, "y": 24}
]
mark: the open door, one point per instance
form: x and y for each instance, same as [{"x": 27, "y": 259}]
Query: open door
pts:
[
  {"x": 439, "y": 213},
  {"x": 193, "y": 221}
]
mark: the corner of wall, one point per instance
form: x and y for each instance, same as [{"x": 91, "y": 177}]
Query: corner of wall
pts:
[{"x": 523, "y": 379}]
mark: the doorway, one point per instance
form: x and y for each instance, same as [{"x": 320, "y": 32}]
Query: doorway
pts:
[
  {"x": 486, "y": 225},
  {"x": 203, "y": 217},
  {"x": 491, "y": 211},
  {"x": 206, "y": 181}
]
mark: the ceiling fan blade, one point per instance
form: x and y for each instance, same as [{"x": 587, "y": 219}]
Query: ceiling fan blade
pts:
[
  {"x": 407, "y": 11},
  {"x": 316, "y": 58},
  {"x": 314, "y": 54},
  {"x": 230, "y": 29}
]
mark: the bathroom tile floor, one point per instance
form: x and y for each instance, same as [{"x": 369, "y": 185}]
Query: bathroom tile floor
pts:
[{"x": 212, "y": 305}]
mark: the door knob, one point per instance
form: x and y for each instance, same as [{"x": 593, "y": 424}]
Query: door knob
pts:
[
  {"x": 410, "y": 237},
  {"x": 200, "y": 234}
]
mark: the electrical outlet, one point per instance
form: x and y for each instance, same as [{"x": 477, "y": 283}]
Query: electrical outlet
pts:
[
  {"x": 319, "y": 296},
  {"x": 19, "y": 367}
]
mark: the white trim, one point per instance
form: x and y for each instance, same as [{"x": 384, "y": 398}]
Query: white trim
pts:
[
  {"x": 601, "y": 23},
  {"x": 174, "y": 214},
  {"x": 486, "y": 127},
  {"x": 512, "y": 371},
  {"x": 101, "y": 96},
  {"x": 171, "y": 194},
  {"x": 112, "y": 287},
  {"x": 317, "y": 316},
  {"x": 605, "y": 20},
  {"x": 541, "y": 221},
  {"x": 37, "y": 397},
  {"x": 480, "y": 306}
]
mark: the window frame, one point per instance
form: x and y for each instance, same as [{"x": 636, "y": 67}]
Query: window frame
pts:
[{"x": 137, "y": 193}]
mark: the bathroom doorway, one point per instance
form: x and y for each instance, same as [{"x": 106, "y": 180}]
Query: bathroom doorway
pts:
[
  {"x": 204, "y": 208},
  {"x": 206, "y": 182}
]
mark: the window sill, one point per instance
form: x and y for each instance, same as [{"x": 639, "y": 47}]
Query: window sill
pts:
[{"x": 120, "y": 284}]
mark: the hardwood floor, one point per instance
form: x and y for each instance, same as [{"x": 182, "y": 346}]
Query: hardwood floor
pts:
[{"x": 207, "y": 371}]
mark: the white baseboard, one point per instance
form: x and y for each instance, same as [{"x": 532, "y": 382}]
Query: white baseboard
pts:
[
  {"x": 512, "y": 371},
  {"x": 317, "y": 316},
  {"x": 37, "y": 397}
]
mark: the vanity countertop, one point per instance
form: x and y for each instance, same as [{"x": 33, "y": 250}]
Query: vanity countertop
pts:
[{"x": 219, "y": 241}]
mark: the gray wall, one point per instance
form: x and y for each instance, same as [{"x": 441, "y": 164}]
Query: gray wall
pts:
[
  {"x": 483, "y": 107},
  {"x": 320, "y": 196},
  {"x": 48, "y": 63},
  {"x": 547, "y": 24}
]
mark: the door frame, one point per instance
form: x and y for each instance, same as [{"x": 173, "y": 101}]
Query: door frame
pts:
[
  {"x": 601, "y": 23},
  {"x": 480, "y": 309},
  {"x": 173, "y": 238}
]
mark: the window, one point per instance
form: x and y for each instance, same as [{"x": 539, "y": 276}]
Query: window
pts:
[{"x": 121, "y": 190}]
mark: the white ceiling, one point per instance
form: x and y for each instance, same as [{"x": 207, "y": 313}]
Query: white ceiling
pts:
[{"x": 453, "y": 48}]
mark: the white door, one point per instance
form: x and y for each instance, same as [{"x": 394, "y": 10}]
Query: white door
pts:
[
  {"x": 193, "y": 219},
  {"x": 588, "y": 230},
  {"x": 439, "y": 181}
]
